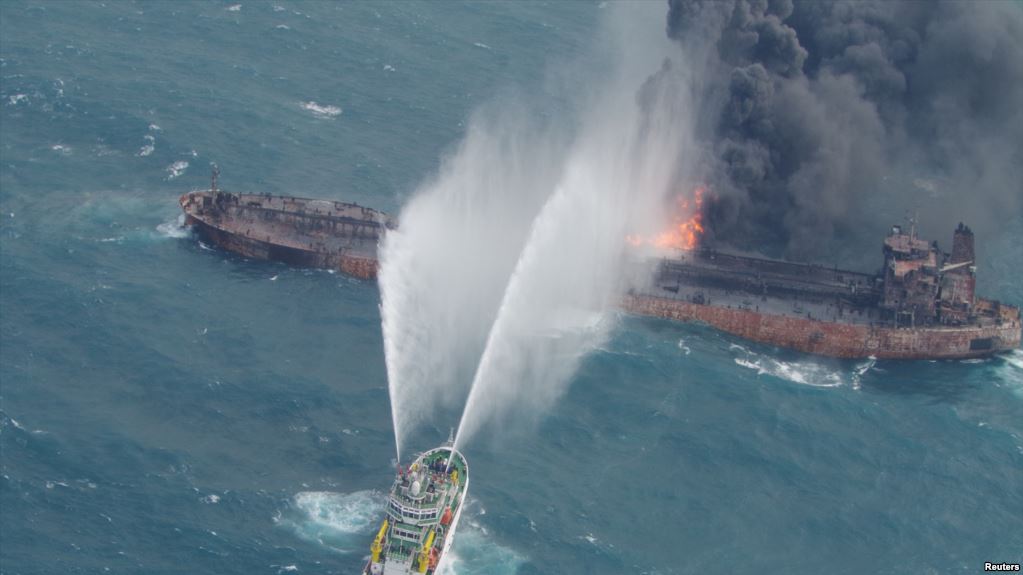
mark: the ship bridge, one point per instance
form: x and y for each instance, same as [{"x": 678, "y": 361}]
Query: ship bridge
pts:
[{"x": 422, "y": 508}]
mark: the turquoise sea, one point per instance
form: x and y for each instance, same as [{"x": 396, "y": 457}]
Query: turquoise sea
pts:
[{"x": 168, "y": 408}]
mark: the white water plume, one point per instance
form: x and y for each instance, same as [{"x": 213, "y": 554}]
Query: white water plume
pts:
[
  {"x": 444, "y": 269},
  {"x": 510, "y": 261},
  {"x": 557, "y": 305}
]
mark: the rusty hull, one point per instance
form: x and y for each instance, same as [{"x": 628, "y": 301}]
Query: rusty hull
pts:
[
  {"x": 296, "y": 231},
  {"x": 844, "y": 340},
  {"x": 808, "y": 308}
]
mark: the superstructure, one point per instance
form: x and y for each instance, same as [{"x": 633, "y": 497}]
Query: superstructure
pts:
[
  {"x": 921, "y": 305},
  {"x": 423, "y": 509}
]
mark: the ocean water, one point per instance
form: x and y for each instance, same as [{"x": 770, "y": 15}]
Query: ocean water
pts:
[{"x": 168, "y": 408}]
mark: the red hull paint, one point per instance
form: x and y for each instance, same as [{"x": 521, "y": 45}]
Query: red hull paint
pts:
[
  {"x": 360, "y": 267},
  {"x": 835, "y": 339}
]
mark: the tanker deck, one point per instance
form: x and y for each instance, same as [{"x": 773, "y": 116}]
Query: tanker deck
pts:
[
  {"x": 298, "y": 231},
  {"x": 921, "y": 305}
]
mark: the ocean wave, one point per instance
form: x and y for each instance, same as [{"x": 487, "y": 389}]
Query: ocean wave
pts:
[
  {"x": 354, "y": 512},
  {"x": 474, "y": 552},
  {"x": 176, "y": 169},
  {"x": 1014, "y": 358},
  {"x": 338, "y": 521},
  {"x": 683, "y": 347},
  {"x": 1011, "y": 371},
  {"x": 805, "y": 372},
  {"x": 148, "y": 148},
  {"x": 861, "y": 369},
  {"x": 321, "y": 110},
  {"x": 174, "y": 229}
]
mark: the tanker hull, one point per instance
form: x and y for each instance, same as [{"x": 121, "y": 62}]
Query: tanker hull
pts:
[
  {"x": 833, "y": 339},
  {"x": 920, "y": 305},
  {"x": 353, "y": 265},
  {"x": 297, "y": 231}
]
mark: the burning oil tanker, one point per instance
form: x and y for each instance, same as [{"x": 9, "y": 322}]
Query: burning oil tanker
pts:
[{"x": 920, "y": 305}]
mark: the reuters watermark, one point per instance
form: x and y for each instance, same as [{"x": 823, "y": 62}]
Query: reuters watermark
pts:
[{"x": 1001, "y": 566}]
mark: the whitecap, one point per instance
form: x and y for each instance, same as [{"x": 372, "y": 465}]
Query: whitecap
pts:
[
  {"x": 321, "y": 111},
  {"x": 682, "y": 346},
  {"x": 862, "y": 369},
  {"x": 176, "y": 169},
  {"x": 16, "y": 99},
  {"x": 1011, "y": 371},
  {"x": 148, "y": 147},
  {"x": 339, "y": 521},
  {"x": 482, "y": 45},
  {"x": 174, "y": 228},
  {"x": 801, "y": 372},
  {"x": 282, "y": 27},
  {"x": 234, "y": 8},
  {"x": 343, "y": 512},
  {"x": 388, "y": 68},
  {"x": 61, "y": 149},
  {"x": 211, "y": 499},
  {"x": 475, "y": 553},
  {"x": 1014, "y": 358}
]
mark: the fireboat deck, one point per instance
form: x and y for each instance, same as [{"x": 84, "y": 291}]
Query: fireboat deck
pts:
[{"x": 422, "y": 514}]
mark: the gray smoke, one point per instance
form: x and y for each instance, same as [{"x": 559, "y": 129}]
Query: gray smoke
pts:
[{"x": 817, "y": 115}]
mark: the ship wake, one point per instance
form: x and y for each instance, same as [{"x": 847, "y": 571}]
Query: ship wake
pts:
[
  {"x": 1011, "y": 371},
  {"x": 475, "y": 552},
  {"x": 341, "y": 522},
  {"x": 338, "y": 521}
]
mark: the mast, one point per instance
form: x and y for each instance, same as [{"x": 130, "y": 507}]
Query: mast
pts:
[{"x": 213, "y": 180}]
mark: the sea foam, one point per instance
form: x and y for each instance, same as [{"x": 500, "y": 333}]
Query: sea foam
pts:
[
  {"x": 321, "y": 110},
  {"x": 803, "y": 372},
  {"x": 337, "y": 520},
  {"x": 174, "y": 228}
]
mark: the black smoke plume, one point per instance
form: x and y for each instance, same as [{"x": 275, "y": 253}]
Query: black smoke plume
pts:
[{"x": 820, "y": 118}]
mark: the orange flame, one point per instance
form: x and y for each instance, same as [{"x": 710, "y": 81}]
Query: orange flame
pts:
[{"x": 684, "y": 234}]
